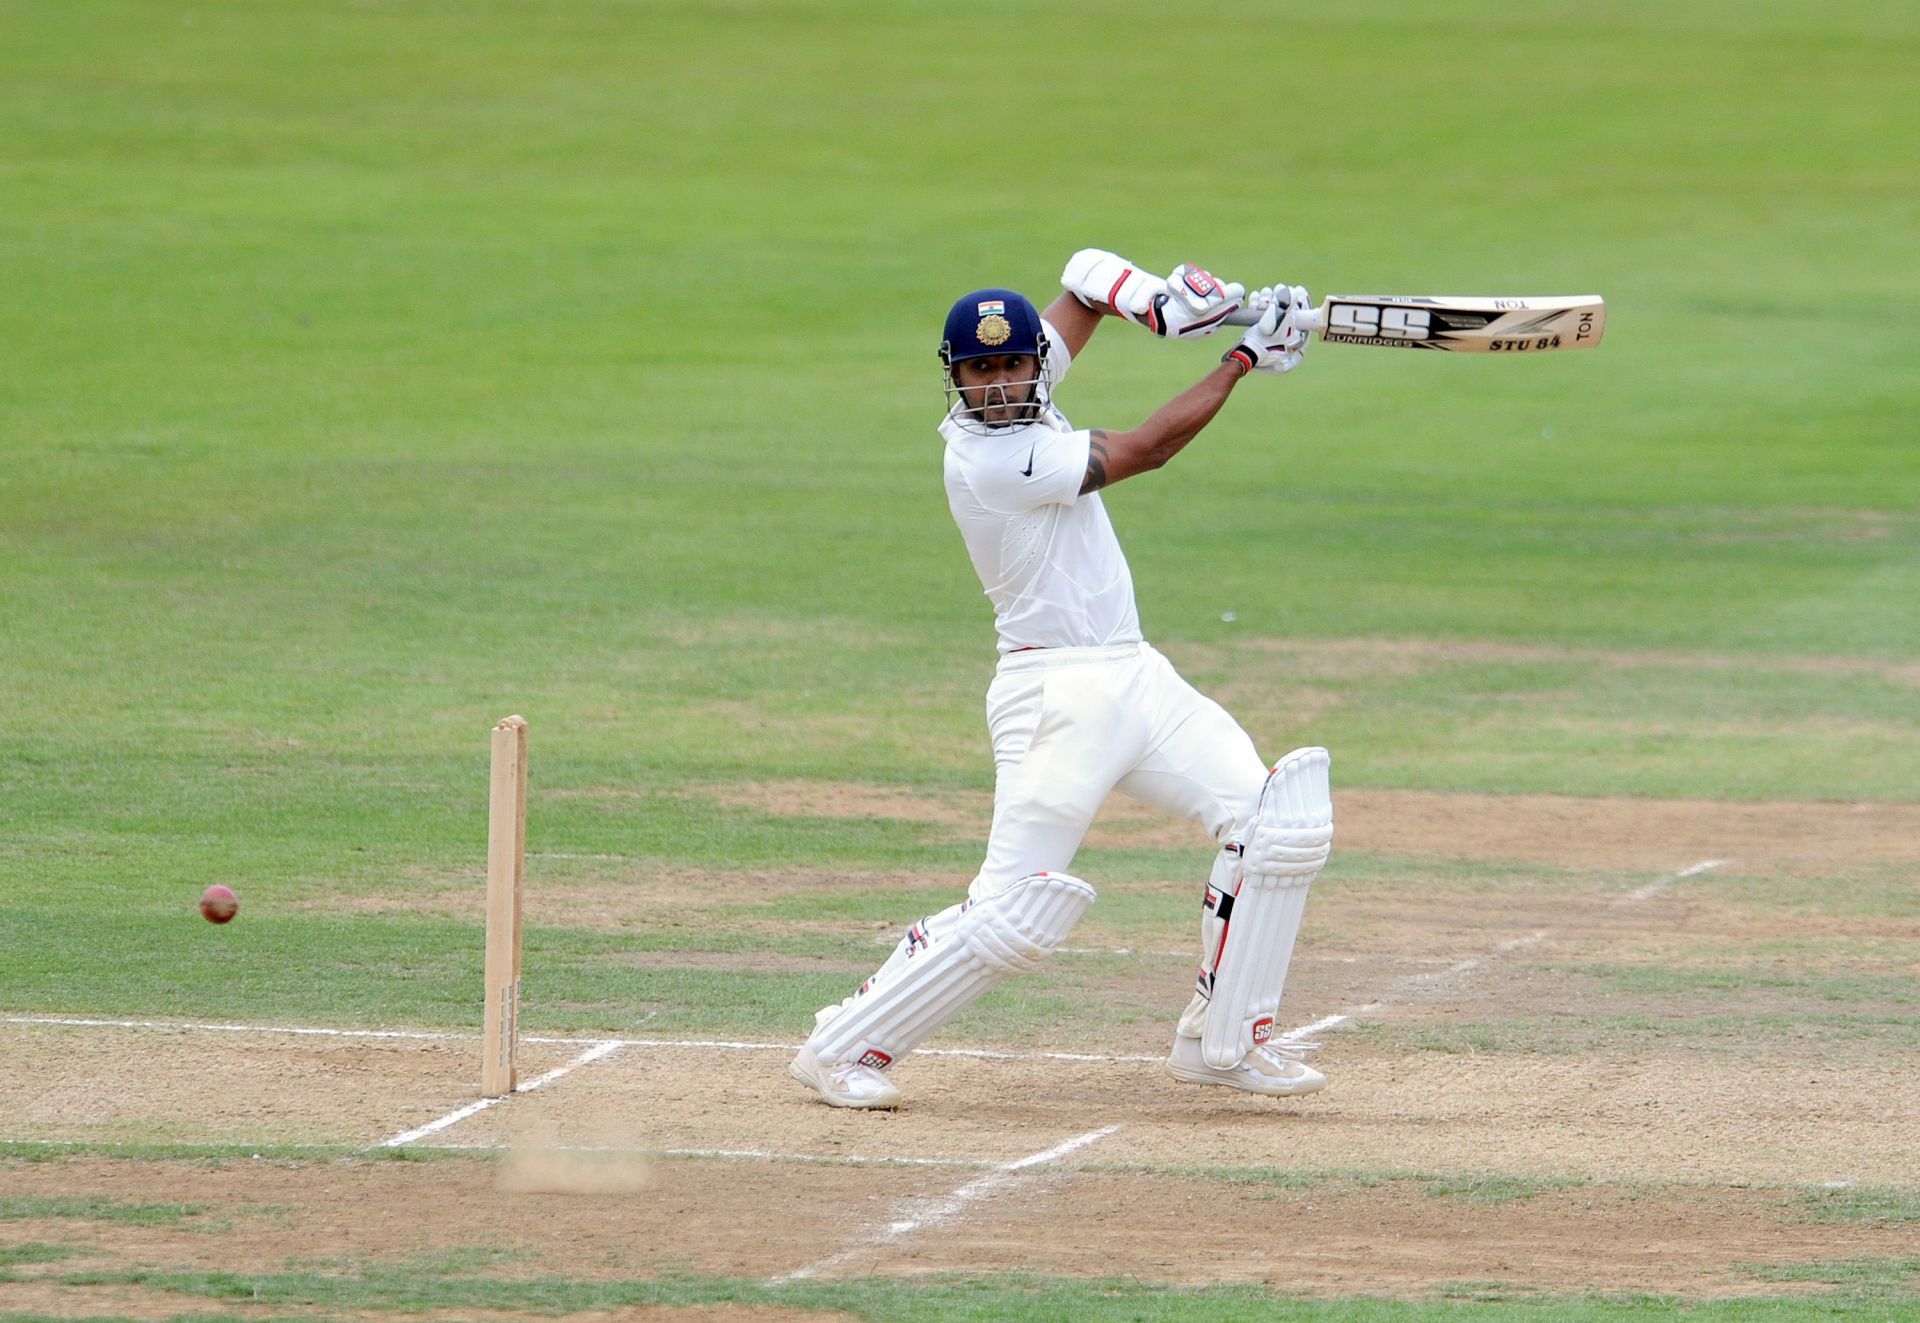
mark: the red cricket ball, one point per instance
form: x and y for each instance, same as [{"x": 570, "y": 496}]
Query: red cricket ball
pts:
[{"x": 218, "y": 904}]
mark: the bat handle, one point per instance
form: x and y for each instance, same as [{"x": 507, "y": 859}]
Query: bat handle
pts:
[{"x": 1313, "y": 319}]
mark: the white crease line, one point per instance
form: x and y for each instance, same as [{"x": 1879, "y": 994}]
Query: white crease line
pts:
[
  {"x": 75, "y": 1022},
  {"x": 825, "y": 1159},
  {"x": 1658, "y": 885},
  {"x": 732, "y": 1045},
  {"x": 937, "y": 1211},
  {"x": 1407, "y": 984},
  {"x": 977, "y": 1053},
  {"x": 1461, "y": 967},
  {"x": 458, "y": 1114},
  {"x": 755, "y": 1154},
  {"x": 1472, "y": 963},
  {"x": 1325, "y": 1022}
]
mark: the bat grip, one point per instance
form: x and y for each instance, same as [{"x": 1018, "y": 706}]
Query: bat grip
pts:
[{"x": 1312, "y": 319}]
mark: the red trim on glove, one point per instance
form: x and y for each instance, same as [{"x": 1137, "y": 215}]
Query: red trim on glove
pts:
[{"x": 1220, "y": 316}]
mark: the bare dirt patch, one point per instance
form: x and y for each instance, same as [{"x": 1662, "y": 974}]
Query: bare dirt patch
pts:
[
  {"x": 53, "y": 1300},
  {"x": 1563, "y": 831},
  {"x": 758, "y": 962},
  {"x": 852, "y": 799},
  {"x": 644, "y": 894},
  {"x": 185, "y": 1085},
  {"x": 1680, "y": 1148},
  {"x": 1655, "y": 1115},
  {"x": 540, "y": 1164},
  {"x": 965, "y": 814},
  {"x": 1329, "y": 1237},
  {"x": 1700, "y": 922},
  {"x": 1329, "y": 1241},
  {"x": 1654, "y": 835}
]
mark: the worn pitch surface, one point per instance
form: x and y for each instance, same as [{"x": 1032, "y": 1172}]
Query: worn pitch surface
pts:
[{"x": 1557, "y": 1148}]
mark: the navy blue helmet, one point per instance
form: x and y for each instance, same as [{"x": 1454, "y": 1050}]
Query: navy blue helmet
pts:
[
  {"x": 991, "y": 321},
  {"x": 995, "y": 322}
]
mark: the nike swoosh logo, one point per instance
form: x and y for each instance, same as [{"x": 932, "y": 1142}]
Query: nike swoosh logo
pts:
[{"x": 1027, "y": 472}]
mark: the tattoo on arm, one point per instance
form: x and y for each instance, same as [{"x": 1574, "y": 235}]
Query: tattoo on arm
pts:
[{"x": 1096, "y": 462}]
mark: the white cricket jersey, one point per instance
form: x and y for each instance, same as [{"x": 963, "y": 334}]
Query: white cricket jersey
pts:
[{"x": 1046, "y": 555}]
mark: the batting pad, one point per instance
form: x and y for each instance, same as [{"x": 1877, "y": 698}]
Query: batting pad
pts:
[
  {"x": 1286, "y": 848},
  {"x": 968, "y": 949}
]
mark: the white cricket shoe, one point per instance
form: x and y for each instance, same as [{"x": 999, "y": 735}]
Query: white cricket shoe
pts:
[
  {"x": 844, "y": 1086},
  {"x": 1274, "y": 1068}
]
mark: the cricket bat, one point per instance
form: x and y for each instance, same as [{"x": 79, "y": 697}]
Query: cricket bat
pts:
[{"x": 1458, "y": 325}]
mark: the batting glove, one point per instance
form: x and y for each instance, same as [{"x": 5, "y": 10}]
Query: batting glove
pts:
[
  {"x": 1194, "y": 304},
  {"x": 1104, "y": 280},
  {"x": 1275, "y": 343}
]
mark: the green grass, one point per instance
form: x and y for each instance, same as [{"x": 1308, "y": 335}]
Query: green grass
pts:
[
  {"x": 220, "y": 1155},
  {"x": 1494, "y": 1188},
  {"x": 196, "y": 1316},
  {"x": 1483, "y": 1188},
  {"x": 351, "y": 408},
  {"x": 1868, "y": 1280},
  {"x": 1874, "y": 890},
  {"x": 12, "y": 1256},
  {"x": 399, "y": 968},
  {"x": 1812, "y": 1034},
  {"x": 1858, "y": 1203},
  {"x": 89, "y": 1208},
  {"x": 376, "y": 370},
  {"x": 401, "y": 1289},
  {"x": 1601, "y": 727},
  {"x": 1721, "y": 984}
]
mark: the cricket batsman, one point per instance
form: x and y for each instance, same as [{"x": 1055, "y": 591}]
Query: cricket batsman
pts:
[{"x": 1081, "y": 704}]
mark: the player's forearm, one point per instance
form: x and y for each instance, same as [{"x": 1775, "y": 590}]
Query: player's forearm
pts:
[
  {"x": 1075, "y": 321},
  {"x": 1180, "y": 419}
]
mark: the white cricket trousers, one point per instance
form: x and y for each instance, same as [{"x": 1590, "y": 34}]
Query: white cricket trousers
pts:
[{"x": 1069, "y": 725}]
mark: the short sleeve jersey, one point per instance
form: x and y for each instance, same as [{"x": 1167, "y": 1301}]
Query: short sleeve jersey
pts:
[{"x": 1046, "y": 555}]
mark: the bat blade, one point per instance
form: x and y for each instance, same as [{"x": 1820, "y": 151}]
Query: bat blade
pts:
[{"x": 1465, "y": 324}]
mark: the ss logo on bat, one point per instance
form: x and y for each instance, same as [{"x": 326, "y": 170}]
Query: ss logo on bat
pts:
[{"x": 1359, "y": 319}]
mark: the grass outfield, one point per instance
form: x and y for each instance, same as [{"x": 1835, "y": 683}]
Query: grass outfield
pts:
[
  {"x": 414, "y": 1288},
  {"x": 374, "y": 370}
]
